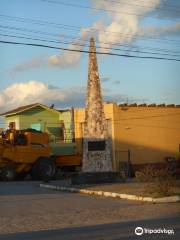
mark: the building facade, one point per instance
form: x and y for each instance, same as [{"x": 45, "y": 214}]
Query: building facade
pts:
[
  {"x": 57, "y": 123},
  {"x": 142, "y": 134}
]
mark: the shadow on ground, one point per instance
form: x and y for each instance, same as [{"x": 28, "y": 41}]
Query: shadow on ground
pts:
[
  {"x": 112, "y": 231},
  {"x": 27, "y": 187}
]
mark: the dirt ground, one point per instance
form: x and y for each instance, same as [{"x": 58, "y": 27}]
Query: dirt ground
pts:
[
  {"x": 134, "y": 188},
  {"x": 24, "y": 206}
]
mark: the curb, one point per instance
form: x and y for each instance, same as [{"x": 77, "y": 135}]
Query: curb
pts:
[{"x": 171, "y": 199}]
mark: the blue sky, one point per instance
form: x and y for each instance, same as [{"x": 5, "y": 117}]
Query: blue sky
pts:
[{"x": 30, "y": 74}]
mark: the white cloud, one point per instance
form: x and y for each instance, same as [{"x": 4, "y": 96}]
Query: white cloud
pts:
[
  {"x": 105, "y": 79},
  {"x": 66, "y": 58},
  {"x": 19, "y": 94},
  {"x": 28, "y": 92},
  {"x": 117, "y": 82},
  {"x": 121, "y": 25},
  {"x": 37, "y": 62},
  {"x": 163, "y": 30}
]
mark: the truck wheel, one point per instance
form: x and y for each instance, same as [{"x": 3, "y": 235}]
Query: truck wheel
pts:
[
  {"x": 34, "y": 171},
  {"x": 8, "y": 173},
  {"x": 46, "y": 169}
]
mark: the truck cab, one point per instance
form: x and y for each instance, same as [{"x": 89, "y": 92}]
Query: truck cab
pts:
[{"x": 22, "y": 151}]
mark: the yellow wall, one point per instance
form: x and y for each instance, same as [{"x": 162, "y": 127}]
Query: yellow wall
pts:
[
  {"x": 79, "y": 118},
  {"x": 150, "y": 133}
]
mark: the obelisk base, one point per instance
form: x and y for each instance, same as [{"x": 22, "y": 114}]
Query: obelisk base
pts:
[{"x": 97, "y": 155}]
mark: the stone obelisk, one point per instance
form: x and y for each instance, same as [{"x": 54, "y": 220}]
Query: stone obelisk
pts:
[{"x": 96, "y": 145}]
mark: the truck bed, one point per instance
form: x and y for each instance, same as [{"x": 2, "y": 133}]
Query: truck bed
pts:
[
  {"x": 63, "y": 148},
  {"x": 69, "y": 160}
]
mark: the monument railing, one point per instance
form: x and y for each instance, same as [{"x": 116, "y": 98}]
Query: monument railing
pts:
[{"x": 123, "y": 160}]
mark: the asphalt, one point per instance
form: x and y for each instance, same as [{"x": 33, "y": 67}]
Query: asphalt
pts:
[
  {"x": 115, "y": 231},
  {"x": 30, "y": 212}
]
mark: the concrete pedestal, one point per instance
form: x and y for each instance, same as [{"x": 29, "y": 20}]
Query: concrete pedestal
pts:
[{"x": 97, "y": 156}]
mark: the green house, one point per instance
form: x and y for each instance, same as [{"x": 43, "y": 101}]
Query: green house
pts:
[{"x": 57, "y": 123}]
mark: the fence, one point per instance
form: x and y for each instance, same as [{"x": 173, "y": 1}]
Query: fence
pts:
[{"x": 123, "y": 161}]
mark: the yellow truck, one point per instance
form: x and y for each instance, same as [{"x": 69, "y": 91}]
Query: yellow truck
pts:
[{"x": 29, "y": 151}]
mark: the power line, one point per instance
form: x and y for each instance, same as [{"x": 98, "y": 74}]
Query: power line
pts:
[
  {"x": 84, "y": 40},
  {"x": 128, "y": 47},
  {"x": 39, "y": 22},
  {"x": 41, "y": 32},
  {"x": 85, "y": 51},
  {"x": 77, "y": 28},
  {"x": 83, "y": 45},
  {"x": 93, "y": 8}
]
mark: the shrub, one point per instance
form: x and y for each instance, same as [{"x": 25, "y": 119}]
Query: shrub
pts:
[
  {"x": 146, "y": 174},
  {"x": 159, "y": 182}
]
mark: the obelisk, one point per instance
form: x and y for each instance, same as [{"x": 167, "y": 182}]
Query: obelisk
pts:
[{"x": 96, "y": 145}]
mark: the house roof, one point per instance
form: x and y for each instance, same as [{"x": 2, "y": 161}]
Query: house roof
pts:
[{"x": 25, "y": 108}]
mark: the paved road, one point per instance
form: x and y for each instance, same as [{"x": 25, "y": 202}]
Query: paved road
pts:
[
  {"x": 29, "y": 212},
  {"x": 114, "y": 231}
]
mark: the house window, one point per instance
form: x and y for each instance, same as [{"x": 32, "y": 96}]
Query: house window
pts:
[
  {"x": 56, "y": 132},
  {"x": 36, "y": 126}
]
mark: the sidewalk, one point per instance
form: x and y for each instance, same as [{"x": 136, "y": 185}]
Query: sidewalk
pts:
[
  {"x": 129, "y": 190},
  {"x": 126, "y": 188}
]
